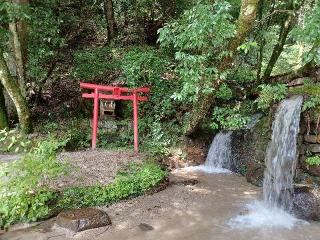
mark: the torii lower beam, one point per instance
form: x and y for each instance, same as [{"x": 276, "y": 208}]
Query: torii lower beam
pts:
[{"x": 116, "y": 94}]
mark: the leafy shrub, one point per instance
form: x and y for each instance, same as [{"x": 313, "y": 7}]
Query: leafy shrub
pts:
[
  {"x": 198, "y": 40},
  {"x": 270, "y": 94},
  {"x": 150, "y": 67},
  {"x": 308, "y": 34},
  {"x": 313, "y": 161},
  {"x": 13, "y": 141},
  {"x": 224, "y": 92},
  {"x": 24, "y": 192},
  {"x": 133, "y": 181},
  {"x": 228, "y": 118},
  {"x": 90, "y": 63},
  {"x": 310, "y": 89},
  {"x": 45, "y": 38},
  {"x": 311, "y": 103}
]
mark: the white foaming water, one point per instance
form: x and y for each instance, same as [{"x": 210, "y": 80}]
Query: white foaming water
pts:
[
  {"x": 281, "y": 155},
  {"x": 261, "y": 215},
  {"x": 219, "y": 155},
  {"x": 280, "y": 160}
]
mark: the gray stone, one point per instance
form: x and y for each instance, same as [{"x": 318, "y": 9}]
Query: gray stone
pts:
[
  {"x": 83, "y": 219},
  {"x": 296, "y": 82},
  {"x": 145, "y": 227},
  {"x": 314, "y": 170},
  {"x": 306, "y": 203},
  {"x": 301, "y": 149},
  {"x": 315, "y": 148},
  {"x": 311, "y": 138}
]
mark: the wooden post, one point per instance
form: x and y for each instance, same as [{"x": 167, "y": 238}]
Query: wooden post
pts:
[
  {"x": 135, "y": 122},
  {"x": 95, "y": 119}
]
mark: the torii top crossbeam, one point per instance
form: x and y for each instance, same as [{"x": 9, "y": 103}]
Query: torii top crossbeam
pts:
[{"x": 114, "y": 93}]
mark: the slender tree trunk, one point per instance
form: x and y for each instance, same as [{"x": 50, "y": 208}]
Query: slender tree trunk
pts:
[
  {"x": 261, "y": 41},
  {"x": 286, "y": 27},
  {"x": 245, "y": 22},
  {"x": 14, "y": 92},
  {"x": 109, "y": 14},
  {"x": 18, "y": 57},
  {"x": 18, "y": 30},
  {"x": 277, "y": 50},
  {"x": 3, "y": 111}
]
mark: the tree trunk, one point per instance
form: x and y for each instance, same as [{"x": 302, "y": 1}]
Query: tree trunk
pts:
[
  {"x": 109, "y": 15},
  {"x": 18, "y": 30},
  {"x": 3, "y": 111},
  {"x": 245, "y": 22},
  {"x": 277, "y": 50},
  {"x": 14, "y": 92},
  {"x": 286, "y": 27}
]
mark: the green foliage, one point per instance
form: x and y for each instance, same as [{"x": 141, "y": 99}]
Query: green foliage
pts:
[
  {"x": 270, "y": 94},
  {"x": 76, "y": 132},
  {"x": 243, "y": 74},
  {"x": 224, "y": 92},
  {"x": 150, "y": 67},
  {"x": 311, "y": 103},
  {"x": 133, "y": 181},
  {"x": 228, "y": 118},
  {"x": 247, "y": 46},
  {"x": 12, "y": 11},
  {"x": 309, "y": 34},
  {"x": 24, "y": 192},
  {"x": 198, "y": 39},
  {"x": 311, "y": 89},
  {"x": 313, "y": 161},
  {"x": 44, "y": 38},
  {"x": 91, "y": 63},
  {"x": 13, "y": 141}
]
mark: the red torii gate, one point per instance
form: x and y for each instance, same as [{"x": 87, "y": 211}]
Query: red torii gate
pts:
[{"x": 114, "y": 93}]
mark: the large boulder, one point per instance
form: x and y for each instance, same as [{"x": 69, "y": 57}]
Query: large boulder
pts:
[
  {"x": 306, "y": 203},
  {"x": 83, "y": 219}
]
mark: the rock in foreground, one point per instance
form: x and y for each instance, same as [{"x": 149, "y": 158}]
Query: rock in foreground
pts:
[
  {"x": 306, "y": 203},
  {"x": 83, "y": 219}
]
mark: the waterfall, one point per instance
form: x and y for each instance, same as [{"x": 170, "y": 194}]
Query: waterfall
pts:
[
  {"x": 281, "y": 155},
  {"x": 219, "y": 155},
  {"x": 281, "y": 158}
]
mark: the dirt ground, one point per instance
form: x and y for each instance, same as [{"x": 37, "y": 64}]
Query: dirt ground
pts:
[
  {"x": 94, "y": 167},
  {"x": 87, "y": 168},
  {"x": 183, "y": 211}
]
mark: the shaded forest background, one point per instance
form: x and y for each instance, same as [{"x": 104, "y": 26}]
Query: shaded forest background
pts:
[{"x": 210, "y": 64}]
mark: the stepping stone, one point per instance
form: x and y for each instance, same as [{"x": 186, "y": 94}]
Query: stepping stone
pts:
[{"x": 83, "y": 219}]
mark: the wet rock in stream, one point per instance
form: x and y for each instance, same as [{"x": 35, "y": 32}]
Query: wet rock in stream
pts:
[
  {"x": 83, "y": 219},
  {"x": 306, "y": 203}
]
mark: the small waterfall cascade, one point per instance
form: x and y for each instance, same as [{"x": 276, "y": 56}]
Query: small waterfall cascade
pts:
[
  {"x": 219, "y": 155},
  {"x": 281, "y": 155},
  {"x": 281, "y": 158}
]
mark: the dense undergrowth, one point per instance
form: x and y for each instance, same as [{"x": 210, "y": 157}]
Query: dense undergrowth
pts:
[{"x": 25, "y": 194}]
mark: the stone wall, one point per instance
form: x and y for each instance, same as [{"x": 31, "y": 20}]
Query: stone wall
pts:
[{"x": 308, "y": 145}]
